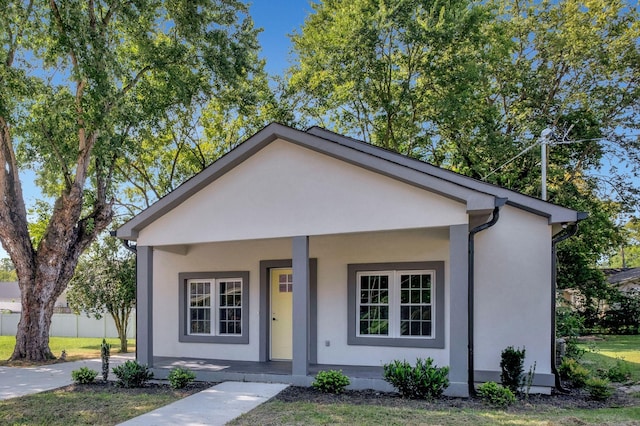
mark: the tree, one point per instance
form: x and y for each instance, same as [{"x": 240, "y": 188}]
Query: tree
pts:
[
  {"x": 78, "y": 82},
  {"x": 628, "y": 255},
  {"x": 105, "y": 282},
  {"x": 193, "y": 139},
  {"x": 7, "y": 271},
  {"x": 470, "y": 86}
]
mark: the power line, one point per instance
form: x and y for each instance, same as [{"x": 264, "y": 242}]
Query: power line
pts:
[{"x": 563, "y": 142}]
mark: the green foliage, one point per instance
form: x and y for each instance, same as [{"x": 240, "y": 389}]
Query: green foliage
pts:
[
  {"x": 620, "y": 372},
  {"x": 569, "y": 324},
  {"x": 496, "y": 395},
  {"x": 331, "y": 381},
  {"x": 180, "y": 377},
  {"x": 599, "y": 389},
  {"x": 628, "y": 254},
  {"x": 105, "y": 354},
  {"x": 571, "y": 370},
  {"x": 79, "y": 82},
  {"x": 623, "y": 315},
  {"x": 512, "y": 366},
  {"x": 131, "y": 374},
  {"x": 7, "y": 270},
  {"x": 422, "y": 381},
  {"x": 84, "y": 375},
  {"x": 105, "y": 282}
]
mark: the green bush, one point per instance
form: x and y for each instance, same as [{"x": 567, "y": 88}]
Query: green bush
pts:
[
  {"x": 181, "y": 377},
  {"x": 331, "y": 381},
  {"x": 512, "y": 366},
  {"x": 84, "y": 375},
  {"x": 496, "y": 395},
  {"x": 574, "y": 372},
  {"x": 619, "y": 373},
  {"x": 598, "y": 388},
  {"x": 132, "y": 375},
  {"x": 424, "y": 381}
]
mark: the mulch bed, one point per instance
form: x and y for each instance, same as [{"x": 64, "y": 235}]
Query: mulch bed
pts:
[{"x": 575, "y": 399}]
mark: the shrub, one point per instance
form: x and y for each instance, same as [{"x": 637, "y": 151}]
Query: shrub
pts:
[
  {"x": 598, "y": 388},
  {"x": 496, "y": 395},
  {"x": 512, "y": 366},
  {"x": 424, "y": 381},
  {"x": 84, "y": 375},
  {"x": 331, "y": 381},
  {"x": 618, "y": 373},
  {"x": 623, "y": 316},
  {"x": 181, "y": 377},
  {"x": 569, "y": 324},
  {"x": 574, "y": 372},
  {"x": 132, "y": 375},
  {"x": 105, "y": 354}
]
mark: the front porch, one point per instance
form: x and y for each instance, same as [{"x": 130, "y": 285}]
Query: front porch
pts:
[{"x": 215, "y": 370}]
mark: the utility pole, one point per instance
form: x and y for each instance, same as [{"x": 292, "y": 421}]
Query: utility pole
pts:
[{"x": 544, "y": 140}]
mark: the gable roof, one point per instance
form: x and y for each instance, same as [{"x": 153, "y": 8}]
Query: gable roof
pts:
[
  {"x": 622, "y": 275},
  {"x": 479, "y": 197}
]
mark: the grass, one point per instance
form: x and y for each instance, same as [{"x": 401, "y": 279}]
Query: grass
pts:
[
  {"x": 291, "y": 413},
  {"x": 603, "y": 354},
  {"x": 89, "y": 407},
  {"x": 76, "y": 348}
]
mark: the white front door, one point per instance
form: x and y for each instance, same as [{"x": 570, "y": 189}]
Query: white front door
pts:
[{"x": 281, "y": 314}]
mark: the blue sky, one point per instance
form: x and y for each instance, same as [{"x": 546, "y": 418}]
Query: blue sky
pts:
[{"x": 277, "y": 18}]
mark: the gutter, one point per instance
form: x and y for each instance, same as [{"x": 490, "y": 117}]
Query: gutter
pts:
[
  {"x": 568, "y": 232},
  {"x": 126, "y": 243},
  {"x": 470, "y": 290}
]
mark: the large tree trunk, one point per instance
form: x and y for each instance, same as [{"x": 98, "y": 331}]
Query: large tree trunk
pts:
[
  {"x": 66, "y": 237},
  {"x": 32, "y": 338}
]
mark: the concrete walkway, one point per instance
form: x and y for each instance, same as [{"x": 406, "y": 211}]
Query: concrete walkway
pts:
[
  {"x": 214, "y": 406},
  {"x": 19, "y": 381}
]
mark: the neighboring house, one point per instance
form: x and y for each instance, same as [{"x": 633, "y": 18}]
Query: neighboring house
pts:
[
  {"x": 10, "y": 298},
  {"x": 626, "y": 280},
  {"x": 322, "y": 250}
]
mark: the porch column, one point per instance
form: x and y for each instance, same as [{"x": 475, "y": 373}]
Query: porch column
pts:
[
  {"x": 458, "y": 312},
  {"x": 301, "y": 292},
  {"x": 144, "y": 305}
]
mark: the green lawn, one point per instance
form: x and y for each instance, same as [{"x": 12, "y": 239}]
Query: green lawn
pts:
[
  {"x": 88, "y": 407},
  {"x": 604, "y": 353},
  {"x": 76, "y": 348},
  {"x": 299, "y": 413}
]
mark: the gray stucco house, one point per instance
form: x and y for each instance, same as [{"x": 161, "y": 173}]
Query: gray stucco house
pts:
[{"x": 300, "y": 250}]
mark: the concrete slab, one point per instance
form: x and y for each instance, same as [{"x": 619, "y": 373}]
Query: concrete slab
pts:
[
  {"x": 214, "y": 406},
  {"x": 19, "y": 381}
]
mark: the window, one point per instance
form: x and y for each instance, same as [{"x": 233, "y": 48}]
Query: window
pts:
[
  {"x": 286, "y": 283},
  {"x": 396, "y": 304},
  {"x": 213, "y": 307}
]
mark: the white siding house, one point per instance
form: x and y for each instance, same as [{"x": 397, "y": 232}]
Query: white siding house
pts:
[{"x": 316, "y": 249}]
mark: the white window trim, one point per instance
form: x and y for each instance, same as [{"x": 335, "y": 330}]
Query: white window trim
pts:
[
  {"x": 183, "y": 307},
  {"x": 214, "y": 307},
  {"x": 395, "y": 304}
]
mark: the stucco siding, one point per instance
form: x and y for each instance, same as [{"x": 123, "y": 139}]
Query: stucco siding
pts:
[
  {"x": 286, "y": 190},
  {"x": 333, "y": 254},
  {"x": 513, "y": 290}
]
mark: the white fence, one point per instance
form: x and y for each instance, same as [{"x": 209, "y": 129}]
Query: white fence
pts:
[{"x": 71, "y": 325}]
